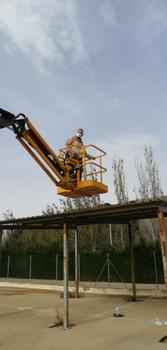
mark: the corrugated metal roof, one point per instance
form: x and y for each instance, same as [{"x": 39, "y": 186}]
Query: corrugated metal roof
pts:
[{"x": 106, "y": 213}]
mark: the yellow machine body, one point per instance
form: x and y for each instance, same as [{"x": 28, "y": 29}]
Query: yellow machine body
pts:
[{"x": 84, "y": 188}]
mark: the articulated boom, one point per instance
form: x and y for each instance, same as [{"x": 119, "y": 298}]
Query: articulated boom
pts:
[{"x": 71, "y": 176}]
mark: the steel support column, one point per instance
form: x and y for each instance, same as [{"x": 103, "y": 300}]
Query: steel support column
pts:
[
  {"x": 66, "y": 302},
  {"x": 1, "y": 234},
  {"x": 1, "y": 237},
  {"x": 76, "y": 265},
  {"x": 132, "y": 262},
  {"x": 163, "y": 244}
]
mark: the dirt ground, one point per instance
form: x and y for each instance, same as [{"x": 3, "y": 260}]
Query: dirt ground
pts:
[{"x": 26, "y": 317}]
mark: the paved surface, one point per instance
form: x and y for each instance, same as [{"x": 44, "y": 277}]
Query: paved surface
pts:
[
  {"x": 89, "y": 288},
  {"x": 26, "y": 315}
]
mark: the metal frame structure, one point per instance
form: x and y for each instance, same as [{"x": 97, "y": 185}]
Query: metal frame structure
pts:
[{"x": 111, "y": 214}]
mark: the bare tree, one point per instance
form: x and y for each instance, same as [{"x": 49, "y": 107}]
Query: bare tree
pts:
[
  {"x": 119, "y": 181},
  {"x": 120, "y": 190},
  {"x": 149, "y": 185},
  {"x": 7, "y": 215}
]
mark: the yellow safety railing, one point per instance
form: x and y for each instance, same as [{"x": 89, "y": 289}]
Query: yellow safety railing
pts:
[
  {"x": 90, "y": 167},
  {"x": 99, "y": 169}
]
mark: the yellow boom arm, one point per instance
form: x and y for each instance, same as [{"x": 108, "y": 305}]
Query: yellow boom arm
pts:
[{"x": 56, "y": 167}]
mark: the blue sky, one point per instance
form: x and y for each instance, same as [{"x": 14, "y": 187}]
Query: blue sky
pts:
[{"x": 95, "y": 64}]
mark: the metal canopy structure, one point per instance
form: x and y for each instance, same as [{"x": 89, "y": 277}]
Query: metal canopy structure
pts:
[
  {"x": 113, "y": 214},
  {"x": 105, "y": 214}
]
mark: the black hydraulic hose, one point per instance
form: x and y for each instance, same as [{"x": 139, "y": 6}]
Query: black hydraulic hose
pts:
[{"x": 21, "y": 114}]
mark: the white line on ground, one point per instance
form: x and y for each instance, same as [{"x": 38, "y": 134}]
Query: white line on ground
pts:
[
  {"x": 17, "y": 307},
  {"x": 26, "y": 308}
]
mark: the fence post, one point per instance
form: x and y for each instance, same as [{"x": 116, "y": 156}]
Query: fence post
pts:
[
  {"x": 1, "y": 235},
  {"x": 66, "y": 278},
  {"x": 8, "y": 266},
  {"x": 108, "y": 268},
  {"x": 122, "y": 237},
  {"x": 30, "y": 267},
  {"x": 110, "y": 235},
  {"x": 155, "y": 267},
  {"x": 132, "y": 261},
  {"x": 57, "y": 261},
  {"x": 79, "y": 268},
  {"x": 76, "y": 265}
]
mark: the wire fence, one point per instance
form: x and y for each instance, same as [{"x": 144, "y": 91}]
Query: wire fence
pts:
[{"x": 97, "y": 267}]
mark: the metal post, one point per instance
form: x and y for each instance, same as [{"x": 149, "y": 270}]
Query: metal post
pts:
[
  {"x": 8, "y": 266},
  {"x": 66, "y": 303},
  {"x": 30, "y": 267},
  {"x": 79, "y": 268},
  {"x": 163, "y": 244},
  {"x": 57, "y": 264},
  {"x": 110, "y": 235},
  {"x": 76, "y": 265},
  {"x": 108, "y": 268},
  {"x": 132, "y": 262},
  {"x": 122, "y": 237},
  {"x": 155, "y": 267}
]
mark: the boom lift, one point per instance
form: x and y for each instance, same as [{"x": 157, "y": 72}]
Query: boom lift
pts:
[{"x": 74, "y": 178}]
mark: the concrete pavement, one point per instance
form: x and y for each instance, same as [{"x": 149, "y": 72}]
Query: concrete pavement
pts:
[{"x": 26, "y": 315}]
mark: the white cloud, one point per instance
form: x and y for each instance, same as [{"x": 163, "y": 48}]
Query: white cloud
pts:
[
  {"x": 107, "y": 12},
  {"x": 44, "y": 30}
]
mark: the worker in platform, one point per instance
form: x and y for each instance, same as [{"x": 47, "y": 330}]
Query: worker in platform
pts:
[
  {"x": 75, "y": 145},
  {"x": 74, "y": 150}
]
